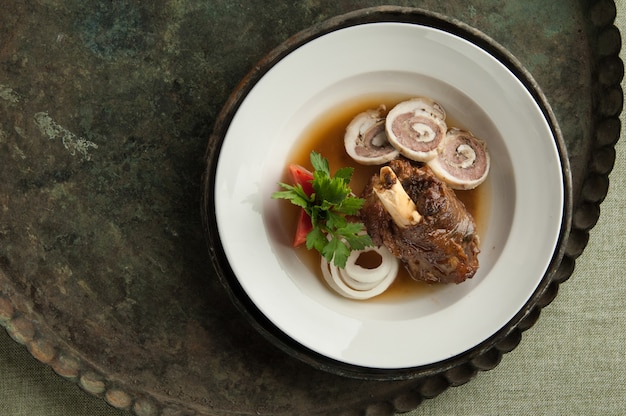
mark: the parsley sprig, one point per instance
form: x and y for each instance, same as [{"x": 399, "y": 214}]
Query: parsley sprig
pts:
[{"x": 332, "y": 200}]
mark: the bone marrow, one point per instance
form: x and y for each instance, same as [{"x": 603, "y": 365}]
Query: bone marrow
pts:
[{"x": 396, "y": 201}]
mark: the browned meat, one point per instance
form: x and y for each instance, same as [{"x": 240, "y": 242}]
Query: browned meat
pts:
[{"x": 440, "y": 246}]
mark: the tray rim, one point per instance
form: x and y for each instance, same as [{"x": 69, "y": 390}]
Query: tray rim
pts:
[{"x": 26, "y": 329}]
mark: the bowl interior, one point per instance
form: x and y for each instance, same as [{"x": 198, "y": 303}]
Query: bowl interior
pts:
[
  {"x": 497, "y": 222},
  {"x": 524, "y": 209}
]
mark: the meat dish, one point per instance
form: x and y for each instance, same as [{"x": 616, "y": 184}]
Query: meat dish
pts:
[
  {"x": 422, "y": 222},
  {"x": 409, "y": 164}
]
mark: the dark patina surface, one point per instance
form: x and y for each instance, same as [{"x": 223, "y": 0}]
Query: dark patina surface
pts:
[{"x": 105, "y": 113}]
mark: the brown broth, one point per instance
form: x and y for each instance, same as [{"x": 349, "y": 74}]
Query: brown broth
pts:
[{"x": 325, "y": 136}]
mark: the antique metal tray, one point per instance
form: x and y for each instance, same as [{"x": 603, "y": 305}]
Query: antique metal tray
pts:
[{"x": 105, "y": 113}]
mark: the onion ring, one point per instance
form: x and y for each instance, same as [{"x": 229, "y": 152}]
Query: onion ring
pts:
[{"x": 358, "y": 282}]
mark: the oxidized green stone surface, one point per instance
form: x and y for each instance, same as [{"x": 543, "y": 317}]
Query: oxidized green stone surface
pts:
[{"x": 105, "y": 112}]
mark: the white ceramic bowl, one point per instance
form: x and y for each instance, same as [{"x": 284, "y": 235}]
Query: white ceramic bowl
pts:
[{"x": 523, "y": 230}]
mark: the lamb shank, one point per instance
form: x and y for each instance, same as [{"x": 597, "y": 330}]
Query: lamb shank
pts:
[{"x": 422, "y": 222}]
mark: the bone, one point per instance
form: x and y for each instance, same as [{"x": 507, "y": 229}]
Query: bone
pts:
[{"x": 395, "y": 199}]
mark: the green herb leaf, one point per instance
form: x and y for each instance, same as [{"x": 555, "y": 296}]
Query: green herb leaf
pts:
[
  {"x": 319, "y": 163},
  {"x": 316, "y": 239},
  {"x": 336, "y": 251},
  {"x": 293, "y": 193},
  {"x": 333, "y": 236},
  {"x": 351, "y": 205},
  {"x": 354, "y": 234},
  {"x": 335, "y": 221},
  {"x": 345, "y": 174}
]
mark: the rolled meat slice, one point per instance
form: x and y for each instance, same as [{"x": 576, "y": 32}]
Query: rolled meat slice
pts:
[
  {"x": 366, "y": 141},
  {"x": 462, "y": 160},
  {"x": 416, "y": 127}
]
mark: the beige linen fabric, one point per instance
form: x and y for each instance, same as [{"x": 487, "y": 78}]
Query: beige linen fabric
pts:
[{"x": 572, "y": 362}]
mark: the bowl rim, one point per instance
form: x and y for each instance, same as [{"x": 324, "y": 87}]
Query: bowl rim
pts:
[{"x": 218, "y": 258}]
